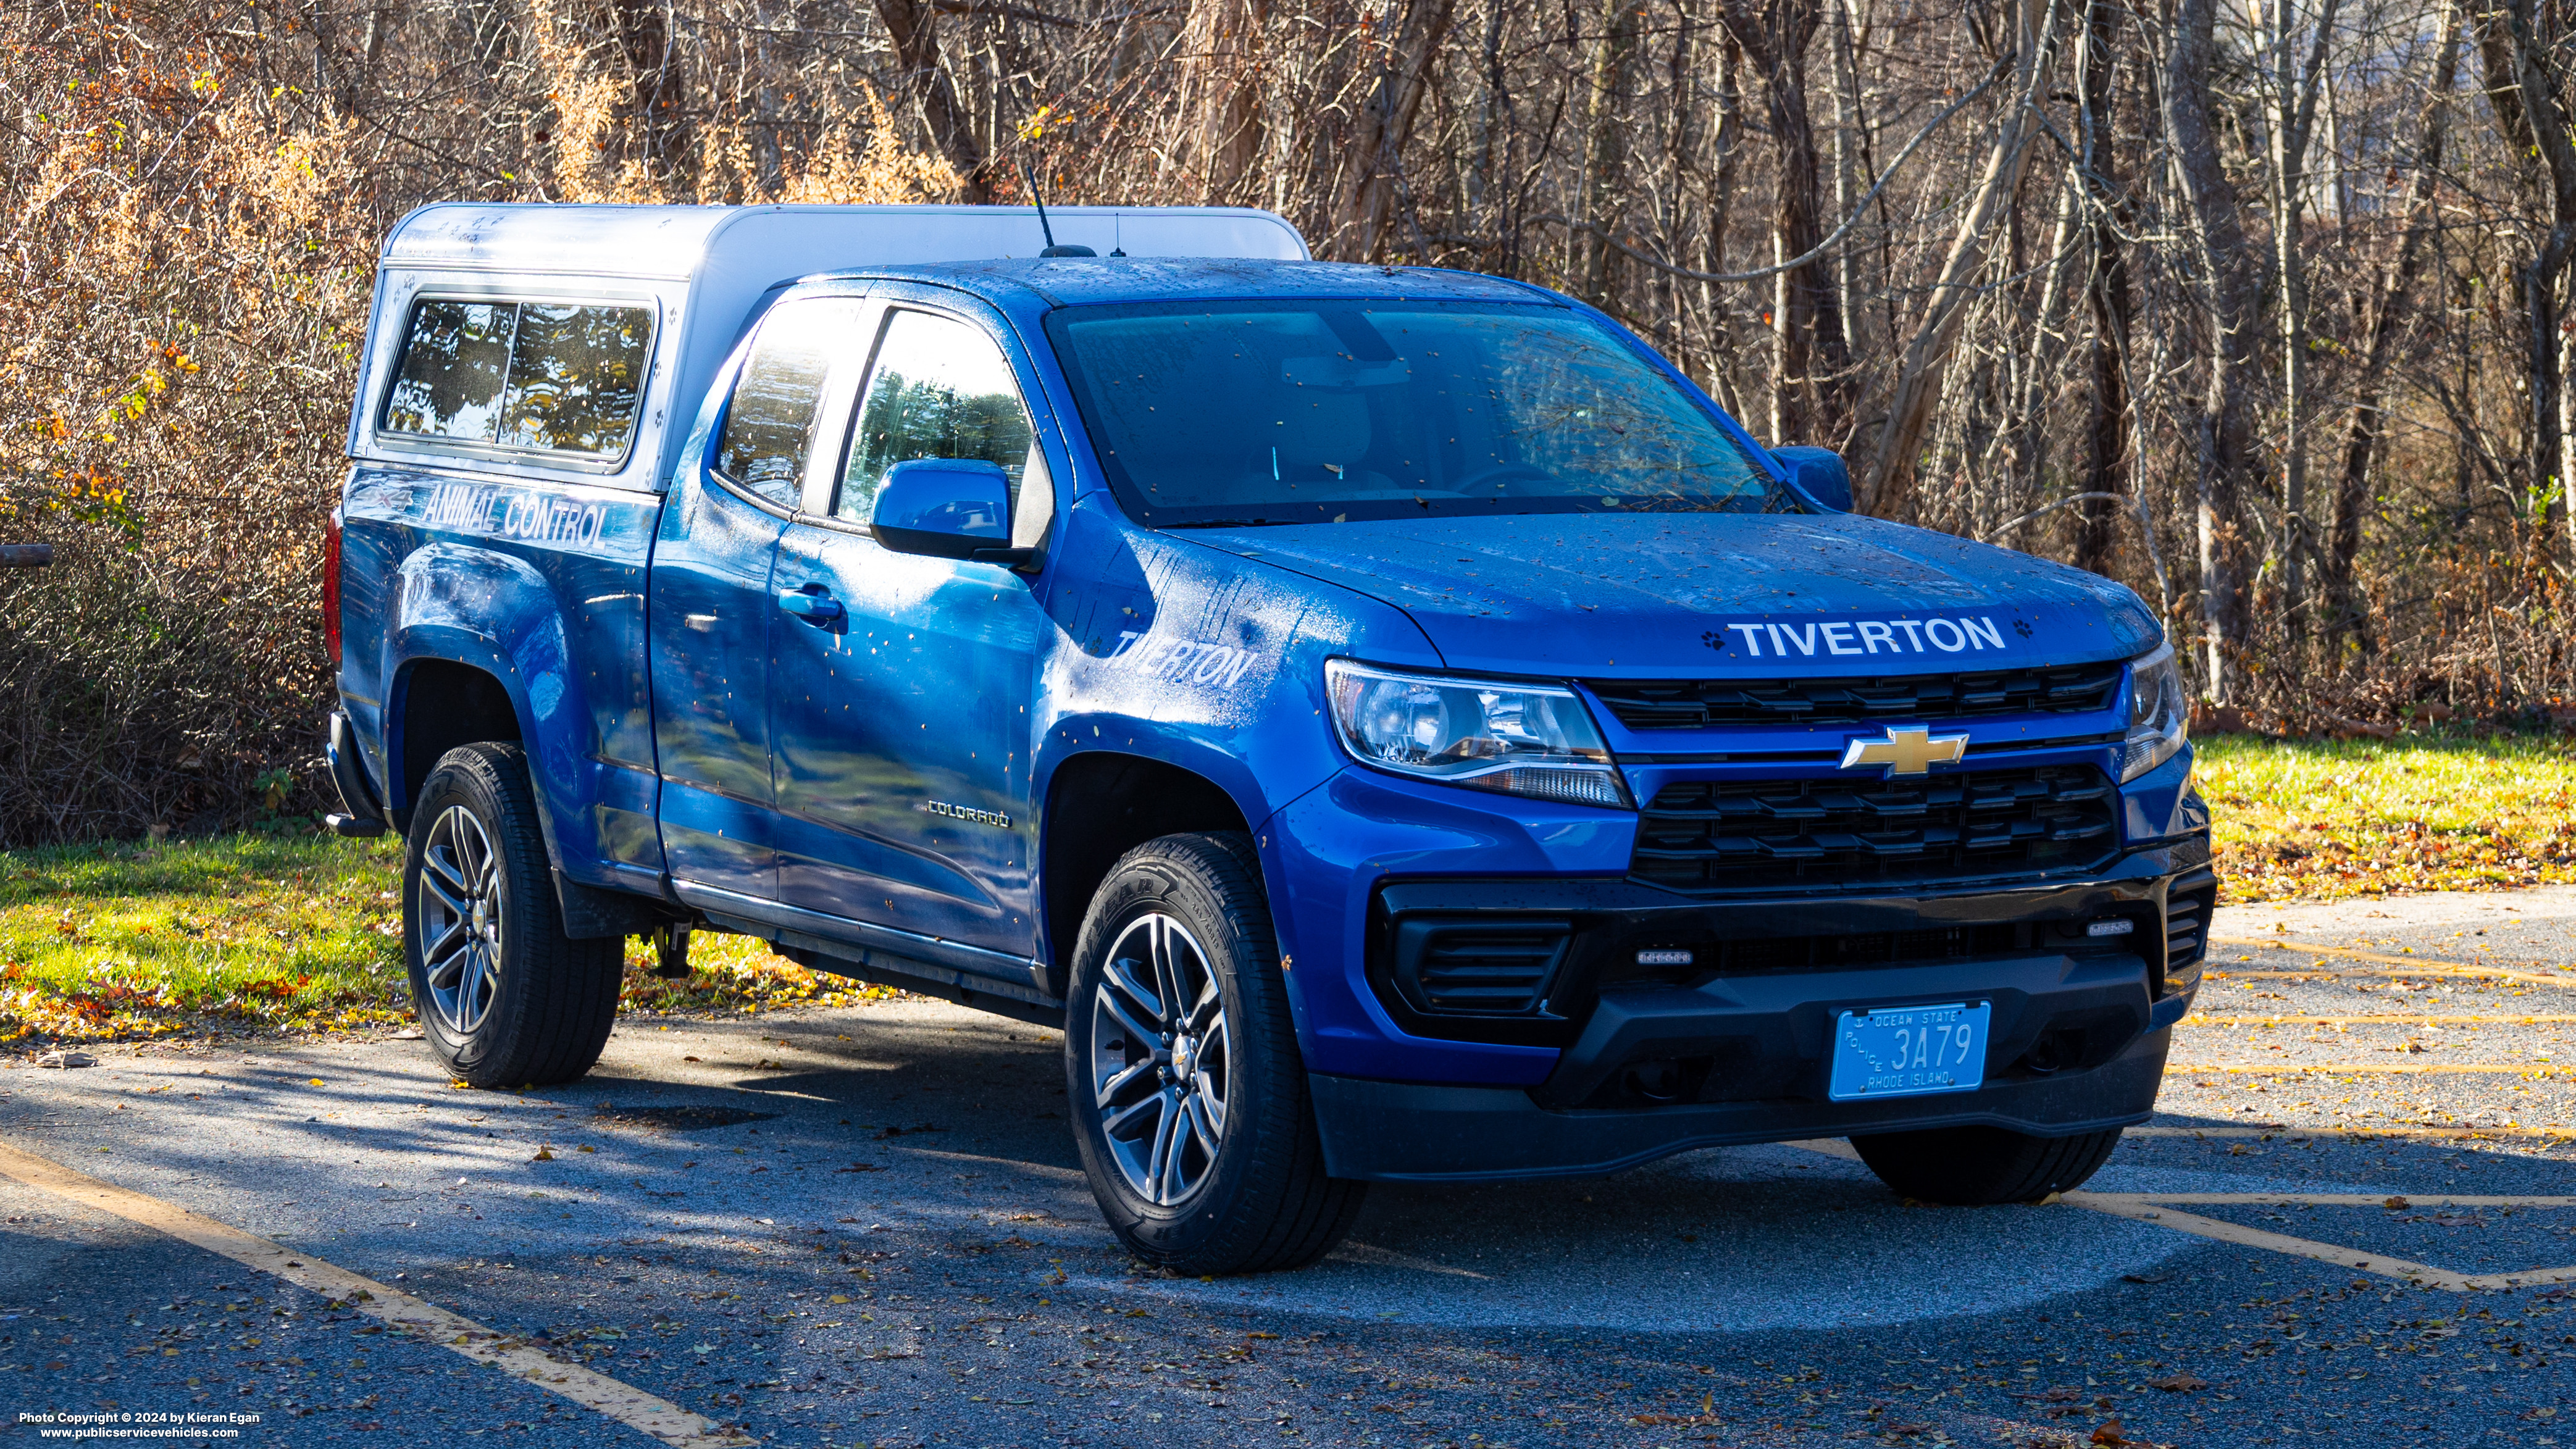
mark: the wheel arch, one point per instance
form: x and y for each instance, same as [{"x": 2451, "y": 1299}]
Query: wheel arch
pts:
[{"x": 1100, "y": 804}]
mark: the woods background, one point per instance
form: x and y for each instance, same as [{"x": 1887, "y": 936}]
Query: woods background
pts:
[{"x": 2259, "y": 306}]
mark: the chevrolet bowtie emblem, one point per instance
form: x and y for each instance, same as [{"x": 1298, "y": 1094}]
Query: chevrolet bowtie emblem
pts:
[{"x": 1912, "y": 750}]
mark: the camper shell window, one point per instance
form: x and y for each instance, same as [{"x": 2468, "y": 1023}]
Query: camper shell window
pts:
[{"x": 523, "y": 375}]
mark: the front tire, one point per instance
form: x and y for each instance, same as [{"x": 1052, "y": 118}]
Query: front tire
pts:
[
  {"x": 1181, "y": 1067},
  {"x": 1978, "y": 1166},
  {"x": 505, "y": 999}
]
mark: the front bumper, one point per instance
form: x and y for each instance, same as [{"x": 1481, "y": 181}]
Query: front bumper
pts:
[
  {"x": 1698, "y": 1057},
  {"x": 1408, "y": 1132}
]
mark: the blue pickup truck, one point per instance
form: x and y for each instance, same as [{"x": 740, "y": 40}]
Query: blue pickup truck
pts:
[{"x": 1394, "y": 724}]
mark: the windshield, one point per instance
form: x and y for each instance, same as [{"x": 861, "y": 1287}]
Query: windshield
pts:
[{"x": 1328, "y": 412}]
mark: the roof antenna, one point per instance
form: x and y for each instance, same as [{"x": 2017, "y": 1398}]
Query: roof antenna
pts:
[{"x": 1030, "y": 175}]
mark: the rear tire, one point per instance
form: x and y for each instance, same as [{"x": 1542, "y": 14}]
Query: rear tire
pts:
[
  {"x": 505, "y": 998},
  {"x": 1182, "y": 1073},
  {"x": 1977, "y": 1166}
]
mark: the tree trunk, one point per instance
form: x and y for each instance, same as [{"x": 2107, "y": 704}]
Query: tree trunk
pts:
[
  {"x": 1221, "y": 94},
  {"x": 2293, "y": 124},
  {"x": 2223, "y": 431},
  {"x": 1889, "y": 479},
  {"x": 1727, "y": 140},
  {"x": 2525, "y": 100},
  {"x": 1604, "y": 147},
  {"x": 2029, "y": 368},
  {"x": 2106, "y": 431},
  {"x": 1386, "y": 122},
  {"x": 916, "y": 49},
  {"x": 1810, "y": 394},
  {"x": 2379, "y": 329},
  {"x": 651, "y": 105}
]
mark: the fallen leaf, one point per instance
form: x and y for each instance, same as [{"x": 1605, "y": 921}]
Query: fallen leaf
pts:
[
  {"x": 2181, "y": 1383},
  {"x": 2109, "y": 1432},
  {"x": 543, "y": 1155}
]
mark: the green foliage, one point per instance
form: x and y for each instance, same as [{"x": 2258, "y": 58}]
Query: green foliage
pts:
[
  {"x": 264, "y": 932},
  {"x": 2449, "y": 810}
]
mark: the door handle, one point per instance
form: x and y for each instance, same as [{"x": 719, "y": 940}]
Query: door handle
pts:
[{"x": 813, "y": 603}]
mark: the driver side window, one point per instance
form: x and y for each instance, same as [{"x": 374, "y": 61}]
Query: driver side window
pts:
[
  {"x": 939, "y": 389},
  {"x": 769, "y": 425}
]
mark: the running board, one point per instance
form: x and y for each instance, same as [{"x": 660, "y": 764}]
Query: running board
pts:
[{"x": 878, "y": 949}]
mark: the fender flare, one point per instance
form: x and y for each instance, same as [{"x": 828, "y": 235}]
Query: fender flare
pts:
[
  {"x": 1072, "y": 736},
  {"x": 491, "y": 612}
]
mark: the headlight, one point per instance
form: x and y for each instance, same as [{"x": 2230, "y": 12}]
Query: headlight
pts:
[
  {"x": 2159, "y": 715},
  {"x": 1520, "y": 739}
]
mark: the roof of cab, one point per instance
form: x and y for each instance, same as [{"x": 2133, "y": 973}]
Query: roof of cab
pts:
[{"x": 1085, "y": 281}]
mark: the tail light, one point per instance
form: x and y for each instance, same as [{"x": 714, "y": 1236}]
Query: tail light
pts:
[{"x": 331, "y": 589}]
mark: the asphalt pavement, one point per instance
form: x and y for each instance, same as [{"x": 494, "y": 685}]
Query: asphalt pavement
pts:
[{"x": 866, "y": 1227}]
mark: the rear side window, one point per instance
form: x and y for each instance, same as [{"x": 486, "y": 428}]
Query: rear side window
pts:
[
  {"x": 549, "y": 377},
  {"x": 769, "y": 424},
  {"x": 940, "y": 389}
]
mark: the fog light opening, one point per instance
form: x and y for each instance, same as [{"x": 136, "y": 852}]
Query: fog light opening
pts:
[{"x": 1655, "y": 1081}]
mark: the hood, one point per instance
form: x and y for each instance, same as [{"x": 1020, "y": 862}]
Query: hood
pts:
[{"x": 1711, "y": 595}]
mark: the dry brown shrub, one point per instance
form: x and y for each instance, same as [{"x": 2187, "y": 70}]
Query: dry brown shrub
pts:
[{"x": 189, "y": 261}]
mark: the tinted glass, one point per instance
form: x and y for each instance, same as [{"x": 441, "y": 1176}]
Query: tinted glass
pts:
[
  {"x": 576, "y": 375},
  {"x": 769, "y": 425},
  {"x": 557, "y": 377},
  {"x": 940, "y": 389},
  {"x": 455, "y": 362},
  {"x": 1314, "y": 412}
]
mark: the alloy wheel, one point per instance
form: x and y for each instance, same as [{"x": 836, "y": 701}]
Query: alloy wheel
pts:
[
  {"x": 1161, "y": 1060},
  {"x": 460, "y": 920}
]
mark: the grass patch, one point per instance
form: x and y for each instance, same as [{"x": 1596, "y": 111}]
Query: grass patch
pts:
[
  {"x": 2323, "y": 819},
  {"x": 261, "y": 933}
]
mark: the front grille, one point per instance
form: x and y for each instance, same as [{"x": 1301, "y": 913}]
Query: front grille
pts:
[
  {"x": 1689, "y": 704},
  {"x": 1480, "y": 970},
  {"x": 1723, "y": 835}
]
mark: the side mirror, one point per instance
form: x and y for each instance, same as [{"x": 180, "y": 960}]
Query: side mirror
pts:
[
  {"x": 1820, "y": 474},
  {"x": 945, "y": 508}
]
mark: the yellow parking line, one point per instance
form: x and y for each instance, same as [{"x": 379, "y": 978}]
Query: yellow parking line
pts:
[
  {"x": 633, "y": 1407},
  {"x": 2416, "y": 966},
  {"x": 2147, "y": 1208},
  {"x": 2393, "y": 1020},
  {"x": 2347, "y": 1199},
  {"x": 2394, "y": 1129},
  {"x": 2154, "y": 1208},
  {"x": 2289, "y": 1069}
]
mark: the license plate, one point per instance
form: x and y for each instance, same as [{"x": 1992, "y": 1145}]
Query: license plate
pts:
[{"x": 1908, "y": 1051}]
